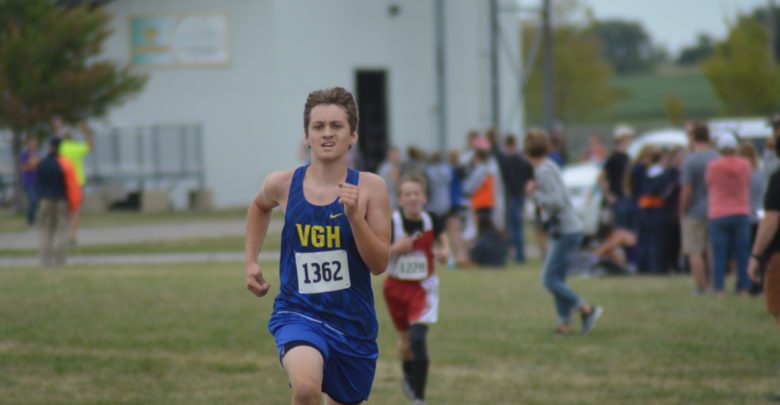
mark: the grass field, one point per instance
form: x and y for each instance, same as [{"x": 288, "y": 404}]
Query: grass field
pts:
[{"x": 190, "y": 333}]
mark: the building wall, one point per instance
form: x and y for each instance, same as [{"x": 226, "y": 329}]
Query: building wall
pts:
[{"x": 251, "y": 110}]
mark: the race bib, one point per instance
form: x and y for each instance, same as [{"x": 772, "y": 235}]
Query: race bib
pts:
[
  {"x": 411, "y": 266},
  {"x": 320, "y": 272}
]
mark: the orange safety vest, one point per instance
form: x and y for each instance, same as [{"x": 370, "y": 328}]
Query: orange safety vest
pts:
[
  {"x": 72, "y": 188},
  {"x": 485, "y": 196}
]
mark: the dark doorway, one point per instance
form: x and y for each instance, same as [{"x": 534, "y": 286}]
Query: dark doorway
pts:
[{"x": 371, "y": 95}]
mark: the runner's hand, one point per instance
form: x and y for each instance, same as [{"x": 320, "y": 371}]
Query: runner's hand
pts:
[
  {"x": 255, "y": 281},
  {"x": 404, "y": 244},
  {"x": 349, "y": 197},
  {"x": 443, "y": 255}
]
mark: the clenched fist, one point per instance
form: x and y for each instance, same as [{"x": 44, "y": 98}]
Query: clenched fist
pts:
[
  {"x": 255, "y": 281},
  {"x": 349, "y": 197}
]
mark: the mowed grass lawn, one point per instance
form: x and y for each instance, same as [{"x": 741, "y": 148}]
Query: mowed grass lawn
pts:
[{"x": 191, "y": 333}]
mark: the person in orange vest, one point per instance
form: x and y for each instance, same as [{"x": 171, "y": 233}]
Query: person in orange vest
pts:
[
  {"x": 60, "y": 195},
  {"x": 480, "y": 183},
  {"x": 654, "y": 217},
  {"x": 75, "y": 150}
]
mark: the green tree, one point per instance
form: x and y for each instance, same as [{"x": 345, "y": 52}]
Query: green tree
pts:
[
  {"x": 741, "y": 71},
  {"x": 674, "y": 108},
  {"x": 50, "y": 66},
  {"x": 582, "y": 87},
  {"x": 703, "y": 49},
  {"x": 625, "y": 44}
]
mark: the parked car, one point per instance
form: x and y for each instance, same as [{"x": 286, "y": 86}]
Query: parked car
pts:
[
  {"x": 755, "y": 130},
  {"x": 665, "y": 138},
  {"x": 581, "y": 181}
]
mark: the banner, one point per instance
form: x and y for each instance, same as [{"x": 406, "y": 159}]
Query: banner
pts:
[{"x": 187, "y": 40}]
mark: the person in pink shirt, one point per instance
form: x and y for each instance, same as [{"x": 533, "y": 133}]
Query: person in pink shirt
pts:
[{"x": 728, "y": 194}]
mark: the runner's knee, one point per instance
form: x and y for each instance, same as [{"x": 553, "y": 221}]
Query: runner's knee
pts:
[
  {"x": 306, "y": 392},
  {"x": 404, "y": 347}
]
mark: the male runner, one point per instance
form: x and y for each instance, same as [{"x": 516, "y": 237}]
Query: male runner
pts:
[
  {"x": 336, "y": 234},
  {"x": 411, "y": 288}
]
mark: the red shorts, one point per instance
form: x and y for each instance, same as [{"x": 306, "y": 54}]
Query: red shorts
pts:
[{"x": 412, "y": 301}]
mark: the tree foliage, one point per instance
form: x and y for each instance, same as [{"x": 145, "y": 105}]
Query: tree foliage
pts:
[
  {"x": 741, "y": 71},
  {"x": 50, "y": 65},
  {"x": 581, "y": 75},
  {"x": 625, "y": 44},
  {"x": 703, "y": 49}
]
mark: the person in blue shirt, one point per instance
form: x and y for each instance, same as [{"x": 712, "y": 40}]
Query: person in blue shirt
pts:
[{"x": 336, "y": 235}]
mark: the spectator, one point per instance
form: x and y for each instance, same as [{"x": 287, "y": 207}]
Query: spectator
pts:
[
  {"x": 638, "y": 171},
  {"x": 635, "y": 185},
  {"x": 653, "y": 218},
  {"x": 458, "y": 211},
  {"x": 516, "y": 172},
  {"x": 556, "y": 153},
  {"x": 728, "y": 202},
  {"x": 467, "y": 156},
  {"x": 390, "y": 171},
  {"x": 74, "y": 150},
  {"x": 614, "y": 241},
  {"x": 439, "y": 175},
  {"x": 29, "y": 162},
  {"x": 59, "y": 193},
  {"x": 693, "y": 202},
  {"x": 490, "y": 248},
  {"x": 559, "y": 151},
  {"x": 672, "y": 209},
  {"x": 770, "y": 160},
  {"x": 565, "y": 231},
  {"x": 415, "y": 163},
  {"x": 757, "y": 189},
  {"x": 595, "y": 151},
  {"x": 612, "y": 178},
  {"x": 480, "y": 183},
  {"x": 766, "y": 248}
]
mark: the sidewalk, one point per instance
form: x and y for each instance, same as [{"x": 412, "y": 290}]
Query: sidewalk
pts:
[
  {"x": 162, "y": 258},
  {"x": 138, "y": 233}
]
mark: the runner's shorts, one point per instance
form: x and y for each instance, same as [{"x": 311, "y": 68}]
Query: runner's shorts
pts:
[
  {"x": 349, "y": 366},
  {"x": 412, "y": 301}
]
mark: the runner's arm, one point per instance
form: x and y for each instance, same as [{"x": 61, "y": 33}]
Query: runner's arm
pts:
[
  {"x": 372, "y": 231},
  {"x": 258, "y": 218},
  {"x": 87, "y": 131},
  {"x": 444, "y": 247},
  {"x": 765, "y": 233}
]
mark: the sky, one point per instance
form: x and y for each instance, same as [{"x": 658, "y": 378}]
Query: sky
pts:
[{"x": 674, "y": 23}]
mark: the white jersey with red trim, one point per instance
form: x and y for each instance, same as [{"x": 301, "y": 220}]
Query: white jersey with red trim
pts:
[{"x": 417, "y": 264}]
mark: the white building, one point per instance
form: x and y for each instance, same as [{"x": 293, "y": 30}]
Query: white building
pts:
[{"x": 250, "y": 100}]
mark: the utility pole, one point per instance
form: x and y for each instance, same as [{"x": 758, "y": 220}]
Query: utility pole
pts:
[
  {"x": 495, "y": 96},
  {"x": 772, "y": 28},
  {"x": 548, "y": 100},
  {"x": 441, "y": 74}
]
